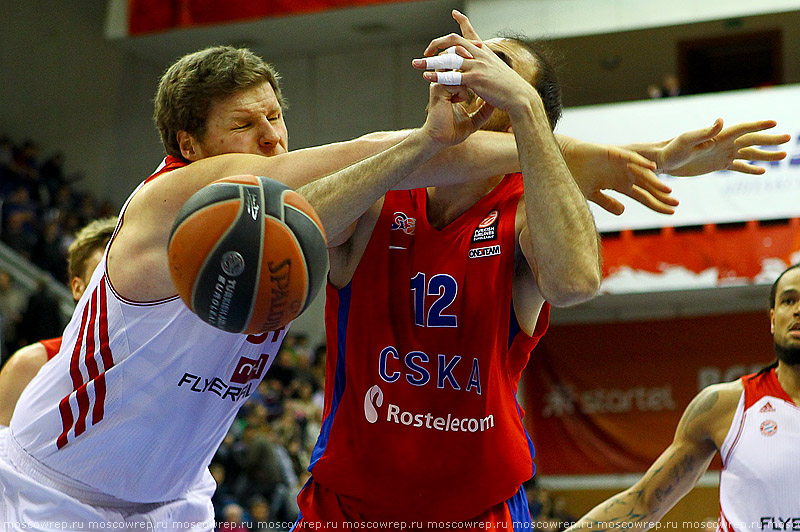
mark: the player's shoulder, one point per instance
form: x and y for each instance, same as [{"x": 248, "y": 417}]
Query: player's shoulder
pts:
[
  {"x": 27, "y": 360},
  {"x": 711, "y": 412},
  {"x": 719, "y": 398}
]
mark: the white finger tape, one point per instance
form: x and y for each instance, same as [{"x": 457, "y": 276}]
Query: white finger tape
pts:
[
  {"x": 444, "y": 61},
  {"x": 450, "y": 50},
  {"x": 449, "y": 78}
]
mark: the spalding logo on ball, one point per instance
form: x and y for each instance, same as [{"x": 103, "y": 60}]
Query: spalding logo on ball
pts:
[{"x": 247, "y": 254}]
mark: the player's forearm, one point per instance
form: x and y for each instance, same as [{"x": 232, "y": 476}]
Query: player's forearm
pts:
[
  {"x": 560, "y": 228},
  {"x": 490, "y": 153},
  {"x": 343, "y": 197},
  {"x": 483, "y": 154}
]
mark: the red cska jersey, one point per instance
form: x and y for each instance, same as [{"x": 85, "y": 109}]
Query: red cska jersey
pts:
[{"x": 424, "y": 356}]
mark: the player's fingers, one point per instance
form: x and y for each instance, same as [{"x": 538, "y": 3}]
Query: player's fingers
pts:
[
  {"x": 746, "y": 168},
  {"x": 649, "y": 201},
  {"x": 608, "y": 203},
  {"x": 749, "y": 127},
  {"x": 443, "y": 61},
  {"x": 466, "y": 26},
  {"x": 450, "y": 77},
  {"x": 648, "y": 180},
  {"x": 482, "y": 114},
  {"x": 700, "y": 136},
  {"x": 758, "y": 154},
  {"x": 639, "y": 160},
  {"x": 447, "y": 41},
  {"x": 761, "y": 139},
  {"x": 653, "y": 197},
  {"x": 458, "y": 93}
]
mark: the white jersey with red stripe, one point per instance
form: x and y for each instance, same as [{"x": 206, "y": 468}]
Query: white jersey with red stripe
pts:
[
  {"x": 761, "y": 460},
  {"x": 139, "y": 397}
]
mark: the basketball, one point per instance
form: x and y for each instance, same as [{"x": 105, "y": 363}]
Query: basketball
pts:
[{"x": 247, "y": 254}]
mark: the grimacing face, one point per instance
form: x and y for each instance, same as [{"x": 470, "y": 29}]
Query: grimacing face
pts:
[
  {"x": 785, "y": 318},
  {"x": 248, "y": 121}
]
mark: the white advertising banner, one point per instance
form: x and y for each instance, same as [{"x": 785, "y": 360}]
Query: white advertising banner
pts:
[{"x": 719, "y": 197}]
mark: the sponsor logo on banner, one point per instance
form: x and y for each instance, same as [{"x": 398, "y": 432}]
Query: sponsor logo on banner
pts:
[
  {"x": 487, "y": 251},
  {"x": 487, "y": 229},
  {"x": 402, "y": 222},
  {"x": 564, "y": 400}
]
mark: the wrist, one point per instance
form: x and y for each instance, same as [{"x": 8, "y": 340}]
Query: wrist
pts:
[{"x": 425, "y": 142}]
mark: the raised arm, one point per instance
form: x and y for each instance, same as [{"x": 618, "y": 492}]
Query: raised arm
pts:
[
  {"x": 559, "y": 239},
  {"x": 675, "y": 472}
]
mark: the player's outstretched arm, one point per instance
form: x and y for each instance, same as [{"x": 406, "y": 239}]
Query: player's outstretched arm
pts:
[
  {"x": 713, "y": 148},
  {"x": 675, "y": 472},
  {"x": 595, "y": 167}
]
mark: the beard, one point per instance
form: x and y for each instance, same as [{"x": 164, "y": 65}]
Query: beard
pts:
[{"x": 789, "y": 355}]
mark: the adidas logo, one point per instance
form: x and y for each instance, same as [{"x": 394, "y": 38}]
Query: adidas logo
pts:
[{"x": 767, "y": 408}]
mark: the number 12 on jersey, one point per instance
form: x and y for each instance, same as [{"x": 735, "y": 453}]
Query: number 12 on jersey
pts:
[{"x": 442, "y": 285}]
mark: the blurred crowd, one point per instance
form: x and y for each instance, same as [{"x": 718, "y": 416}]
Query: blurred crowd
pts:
[{"x": 40, "y": 210}]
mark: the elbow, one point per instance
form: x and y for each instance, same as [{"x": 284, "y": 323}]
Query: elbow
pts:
[{"x": 574, "y": 291}]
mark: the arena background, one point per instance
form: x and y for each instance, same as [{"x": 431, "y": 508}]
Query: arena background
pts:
[{"x": 685, "y": 298}]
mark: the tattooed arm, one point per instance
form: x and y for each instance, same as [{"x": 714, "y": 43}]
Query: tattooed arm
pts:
[{"x": 700, "y": 433}]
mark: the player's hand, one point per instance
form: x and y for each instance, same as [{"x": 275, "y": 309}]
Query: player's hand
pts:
[
  {"x": 468, "y": 62},
  {"x": 713, "y": 148},
  {"x": 449, "y": 121},
  {"x": 599, "y": 167}
]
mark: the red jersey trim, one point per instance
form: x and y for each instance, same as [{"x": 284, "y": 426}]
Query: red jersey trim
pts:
[
  {"x": 52, "y": 346},
  {"x": 758, "y": 386},
  {"x": 169, "y": 164}
]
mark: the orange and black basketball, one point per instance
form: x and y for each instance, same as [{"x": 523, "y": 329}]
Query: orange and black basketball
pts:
[{"x": 247, "y": 254}]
